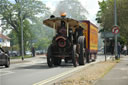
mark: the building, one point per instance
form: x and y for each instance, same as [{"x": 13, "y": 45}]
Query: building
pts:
[{"x": 4, "y": 41}]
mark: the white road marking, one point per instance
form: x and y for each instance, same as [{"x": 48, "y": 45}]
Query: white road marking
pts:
[
  {"x": 5, "y": 73},
  {"x": 62, "y": 75}
]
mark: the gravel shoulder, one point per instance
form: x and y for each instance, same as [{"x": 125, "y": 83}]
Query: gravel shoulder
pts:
[{"x": 88, "y": 75}]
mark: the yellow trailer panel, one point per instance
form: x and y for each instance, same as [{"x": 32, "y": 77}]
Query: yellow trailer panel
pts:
[{"x": 91, "y": 34}]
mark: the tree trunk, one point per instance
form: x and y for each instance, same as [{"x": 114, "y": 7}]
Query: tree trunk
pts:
[
  {"x": 19, "y": 43},
  {"x": 24, "y": 47}
]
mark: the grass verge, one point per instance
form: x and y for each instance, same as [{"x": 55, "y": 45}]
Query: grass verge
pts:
[
  {"x": 19, "y": 57},
  {"x": 88, "y": 75}
]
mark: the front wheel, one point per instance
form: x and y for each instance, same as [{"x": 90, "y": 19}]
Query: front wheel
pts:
[{"x": 49, "y": 57}]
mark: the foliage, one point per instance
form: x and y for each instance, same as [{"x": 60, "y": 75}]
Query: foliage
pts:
[
  {"x": 105, "y": 16},
  {"x": 18, "y": 57},
  {"x": 73, "y": 8},
  {"x": 22, "y": 11},
  {"x": 43, "y": 34}
]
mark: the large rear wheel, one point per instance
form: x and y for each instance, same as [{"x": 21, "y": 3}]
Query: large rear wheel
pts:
[
  {"x": 49, "y": 57},
  {"x": 74, "y": 57},
  {"x": 82, "y": 58}
]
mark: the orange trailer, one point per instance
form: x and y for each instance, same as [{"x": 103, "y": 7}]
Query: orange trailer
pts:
[{"x": 91, "y": 35}]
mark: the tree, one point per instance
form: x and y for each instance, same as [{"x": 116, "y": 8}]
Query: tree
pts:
[
  {"x": 11, "y": 12},
  {"x": 73, "y": 9},
  {"x": 106, "y": 9},
  {"x": 105, "y": 16},
  {"x": 43, "y": 35},
  {"x": 28, "y": 35}
]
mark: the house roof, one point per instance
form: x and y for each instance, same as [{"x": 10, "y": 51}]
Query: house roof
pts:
[{"x": 4, "y": 37}]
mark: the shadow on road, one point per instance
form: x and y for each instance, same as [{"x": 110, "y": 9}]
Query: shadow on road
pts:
[
  {"x": 66, "y": 65},
  {"x": 42, "y": 57},
  {"x": 44, "y": 66},
  {"x": 35, "y": 66},
  {"x": 40, "y": 66}
]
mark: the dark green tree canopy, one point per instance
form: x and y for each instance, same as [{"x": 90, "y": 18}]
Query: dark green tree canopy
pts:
[
  {"x": 105, "y": 16},
  {"x": 11, "y": 11},
  {"x": 27, "y": 11}
]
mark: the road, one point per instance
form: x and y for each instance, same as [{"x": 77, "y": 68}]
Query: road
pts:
[{"x": 30, "y": 73}]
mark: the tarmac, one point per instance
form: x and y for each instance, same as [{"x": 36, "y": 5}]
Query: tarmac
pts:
[
  {"x": 118, "y": 74},
  {"x": 15, "y": 61}
]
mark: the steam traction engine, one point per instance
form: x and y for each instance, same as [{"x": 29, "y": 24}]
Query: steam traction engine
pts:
[{"x": 68, "y": 43}]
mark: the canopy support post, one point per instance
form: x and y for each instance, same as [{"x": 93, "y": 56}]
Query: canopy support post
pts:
[
  {"x": 67, "y": 29},
  {"x": 54, "y": 26}
]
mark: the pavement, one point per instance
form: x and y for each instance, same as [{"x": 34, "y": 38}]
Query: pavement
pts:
[{"x": 118, "y": 75}]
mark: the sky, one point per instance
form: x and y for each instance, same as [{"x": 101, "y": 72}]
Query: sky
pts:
[{"x": 91, "y": 6}]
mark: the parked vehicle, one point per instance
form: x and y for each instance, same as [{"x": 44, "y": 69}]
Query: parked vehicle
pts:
[
  {"x": 39, "y": 52},
  {"x": 74, "y": 40},
  {"x": 4, "y": 58},
  {"x": 28, "y": 53},
  {"x": 14, "y": 53}
]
